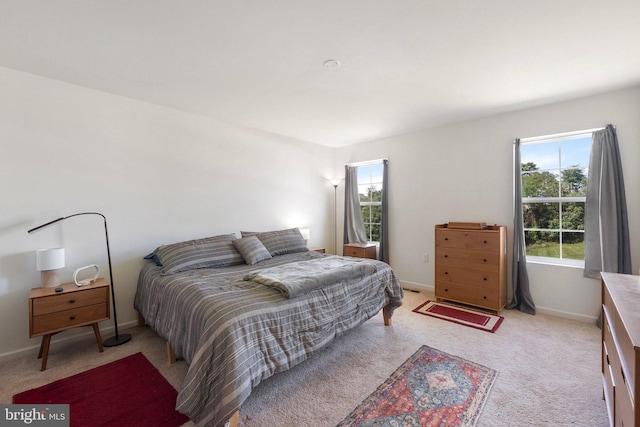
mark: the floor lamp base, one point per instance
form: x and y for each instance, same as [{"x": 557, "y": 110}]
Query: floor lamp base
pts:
[{"x": 116, "y": 341}]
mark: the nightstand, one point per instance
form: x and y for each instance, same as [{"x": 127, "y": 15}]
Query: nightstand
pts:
[
  {"x": 51, "y": 312},
  {"x": 360, "y": 250},
  {"x": 319, "y": 250}
]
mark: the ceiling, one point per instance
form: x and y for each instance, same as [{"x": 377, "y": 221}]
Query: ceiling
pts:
[{"x": 407, "y": 65}]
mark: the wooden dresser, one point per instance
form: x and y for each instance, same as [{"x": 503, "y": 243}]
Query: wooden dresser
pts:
[
  {"x": 621, "y": 348},
  {"x": 471, "y": 266}
]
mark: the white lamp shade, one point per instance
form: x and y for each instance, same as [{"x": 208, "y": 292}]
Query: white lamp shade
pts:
[
  {"x": 49, "y": 259},
  {"x": 306, "y": 233}
]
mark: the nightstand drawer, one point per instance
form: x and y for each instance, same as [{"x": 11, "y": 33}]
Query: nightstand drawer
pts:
[
  {"x": 68, "y": 300},
  {"x": 360, "y": 250},
  {"x": 66, "y": 319}
]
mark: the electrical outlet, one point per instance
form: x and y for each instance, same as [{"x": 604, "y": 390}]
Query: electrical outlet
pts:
[{"x": 425, "y": 258}]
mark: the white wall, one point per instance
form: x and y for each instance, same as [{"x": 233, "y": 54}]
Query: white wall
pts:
[
  {"x": 159, "y": 176},
  {"x": 463, "y": 172}
]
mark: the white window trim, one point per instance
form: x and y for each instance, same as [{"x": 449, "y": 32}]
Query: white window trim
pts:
[{"x": 564, "y": 262}]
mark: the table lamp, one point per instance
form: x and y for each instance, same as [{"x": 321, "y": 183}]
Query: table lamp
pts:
[{"x": 47, "y": 262}]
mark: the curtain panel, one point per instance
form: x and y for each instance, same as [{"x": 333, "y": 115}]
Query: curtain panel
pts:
[
  {"x": 606, "y": 236},
  {"x": 521, "y": 298},
  {"x": 384, "y": 216},
  {"x": 354, "y": 230}
]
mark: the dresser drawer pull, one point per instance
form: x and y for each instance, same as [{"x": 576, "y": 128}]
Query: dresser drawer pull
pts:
[
  {"x": 446, "y": 256},
  {"x": 623, "y": 377},
  {"x": 72, "y": 317},
  {"x": 72, "y": 301},
  {"x": 484, "y": 297},
  {"x": 446, "y": 238},
  {"x": 485, "y": 242},
  {"x": 446, "y": 273},
  {"x": 484, "y": 260},
  {"x": 446, "y": 290},
  {"x": 485, "y": 278}
]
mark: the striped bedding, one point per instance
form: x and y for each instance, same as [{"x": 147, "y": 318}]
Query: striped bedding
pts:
[{"x": 235, "y": 333}]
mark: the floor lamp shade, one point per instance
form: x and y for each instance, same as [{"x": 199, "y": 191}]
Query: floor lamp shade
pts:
[
  {"x": 118, "y": 338},
  {"x": 47, "y": 262}
]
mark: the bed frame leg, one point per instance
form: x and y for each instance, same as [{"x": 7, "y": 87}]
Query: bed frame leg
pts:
[
  {"x": 385, "y": 315},
  {"x": 234, "y": 421},
  {"x": 141, "y": 321},
  {"x": 171, "y": 356}
]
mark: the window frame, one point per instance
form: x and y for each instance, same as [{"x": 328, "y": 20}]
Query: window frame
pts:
[
  {"x": 368, "y": 224},
  {"x": 559, "y": 200}
]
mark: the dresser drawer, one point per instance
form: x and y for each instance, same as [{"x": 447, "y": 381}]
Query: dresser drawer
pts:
[
  {"x": 471, "y": 295},
  {"x": 466, "y": 239},
  {"x": 454, "y": 257},
  {"x": 623, "y": 407},
  {"x": 485, "y": 279},
  {"x": 65, "y": 301},
  {"x": 453, "y": 291},
  {"x": 66, "y": 319}
]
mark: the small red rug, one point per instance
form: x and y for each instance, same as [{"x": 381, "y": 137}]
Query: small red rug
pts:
[
  {"x": 462, "y": 315},
  {"x": 127, "y": 392},
  {"x": 431, "y": 388}
]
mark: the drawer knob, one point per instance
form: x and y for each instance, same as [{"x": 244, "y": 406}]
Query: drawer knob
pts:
[
  {"x": 484, "y": 278},
  {"x": 485, "y": 242},
  {"x": 72, "y": 317},
  {"x": 484, "y": 260},
  {"x": 446, "y": 238},
  {"x": 446, "y": 290},
  {"x": 484, "y": 297},
  {"x": 72, "y": 301},
  {"x": 446, "y": 256},
  {"x": 446, "y": 273}
]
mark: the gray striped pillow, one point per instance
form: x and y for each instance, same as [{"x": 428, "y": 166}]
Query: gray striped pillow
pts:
[
  {"x": 210, "y": 252},
  {"x": 251, "y": 249},
  {"x": 280, "y": 242}
]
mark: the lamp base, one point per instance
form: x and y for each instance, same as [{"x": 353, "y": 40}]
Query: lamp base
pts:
[
  {"x": 49, "y": 279},
  {"x": 116, "y": 341}
]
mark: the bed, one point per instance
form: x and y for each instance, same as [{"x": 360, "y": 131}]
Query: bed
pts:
[{"x": 237, "y": 321}]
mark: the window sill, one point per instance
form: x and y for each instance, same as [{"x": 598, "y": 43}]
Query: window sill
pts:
[{"x": 555, "y": 262}]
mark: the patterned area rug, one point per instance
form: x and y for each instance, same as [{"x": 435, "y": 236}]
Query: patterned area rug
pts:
[
  {"x": 461, "y": 315},
  {"x": 431, "y": 388}
]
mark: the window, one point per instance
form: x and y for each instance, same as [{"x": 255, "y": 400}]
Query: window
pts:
[
  {"x": 370, "y": 193},
  {"x": 554, "y": 188}
]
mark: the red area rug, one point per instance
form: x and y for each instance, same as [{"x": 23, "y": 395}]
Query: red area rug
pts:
[
  {"x": 431, "y": 388},
  {"x": 462, "y": 315},
  {"x": 127, "y": 392}
]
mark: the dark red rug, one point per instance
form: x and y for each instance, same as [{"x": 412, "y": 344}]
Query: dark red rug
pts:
[
  {"x": 461, "y": 315},
  {"x": 127, "y": 392},
  {"x": 430, "y": 389}
]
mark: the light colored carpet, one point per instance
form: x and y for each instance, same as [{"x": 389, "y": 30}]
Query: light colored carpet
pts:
[{"x": 548, "y": 369}]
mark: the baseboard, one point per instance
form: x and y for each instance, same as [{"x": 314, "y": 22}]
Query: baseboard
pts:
[
  {"x": 416, "y": 286},
  {"x": 566, "y": 315},
  {"x": 420, "y": 287},
  {"x": 57, "y": 340}
]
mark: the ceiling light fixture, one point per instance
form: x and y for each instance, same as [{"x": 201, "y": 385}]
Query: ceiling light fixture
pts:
[{"x": 332, "y": 63}]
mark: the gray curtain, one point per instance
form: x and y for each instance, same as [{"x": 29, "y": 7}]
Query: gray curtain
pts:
[
  {"x": 606, "y": 227},
  {"x": 354, "y": 231},
  {"x": 521, "y": 299},
  {"x": 384, "y": 227}
]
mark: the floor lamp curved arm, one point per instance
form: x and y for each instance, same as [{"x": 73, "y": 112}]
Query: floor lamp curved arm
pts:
[{"x": 118, "y": 338}]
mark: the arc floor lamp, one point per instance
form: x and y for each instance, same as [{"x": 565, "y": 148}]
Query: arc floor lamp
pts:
[{"x": 118, "y": 338}]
